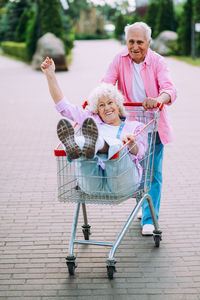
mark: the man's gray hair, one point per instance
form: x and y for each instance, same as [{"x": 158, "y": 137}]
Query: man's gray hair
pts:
[{"x": 140, "y": 25}]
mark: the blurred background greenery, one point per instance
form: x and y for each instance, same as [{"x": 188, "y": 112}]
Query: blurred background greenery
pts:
[{"x": 23, "y": 22}]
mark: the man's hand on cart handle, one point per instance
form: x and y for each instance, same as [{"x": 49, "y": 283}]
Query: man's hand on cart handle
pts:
[{"x": 150, "y": 103}]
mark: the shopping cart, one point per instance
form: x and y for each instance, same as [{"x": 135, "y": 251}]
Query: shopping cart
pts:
[{"x": 73, "y": 186}]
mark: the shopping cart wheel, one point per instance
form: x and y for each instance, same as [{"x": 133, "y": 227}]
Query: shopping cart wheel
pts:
[
  {"x": 110, "y": 271},
  {"x": 86, "y": 231},
  {"x": 111, "y": 268},
  {"x": 157, "y": 235},
  {"x": 70, "y": 261}
]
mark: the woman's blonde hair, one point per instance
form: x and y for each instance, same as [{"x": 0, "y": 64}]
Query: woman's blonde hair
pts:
[{"x": 108, "y": 90}]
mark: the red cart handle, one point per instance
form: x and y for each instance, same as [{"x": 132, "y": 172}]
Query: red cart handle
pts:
[{"x": 159, "y": 104}]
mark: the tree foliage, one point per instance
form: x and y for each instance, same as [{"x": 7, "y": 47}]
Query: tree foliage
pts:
[
  {"x": 3, "y": 3},
  {"x": 121, "y": 22},
  {"x": 119, "y": 26},
  {"x": 165, "y": 16},
  {"x": 151, "y": 15},
  {"x": 196, "y": 14},
  {"x": 20, "y": 33},
  {"x": 32, "y": 33},
  {"x": 75, "y": 7},
  {"x": 184, "y": 30},
  {"x": 50, "y": 18},
  {"x": 10, "y": 20},
  {"x": 27, "y": 20},
  {"x": 196, "y": 10}
]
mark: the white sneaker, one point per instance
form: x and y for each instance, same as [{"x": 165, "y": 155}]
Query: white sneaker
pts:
[
  {"x": 139, "y": 215},
  {"x": 147, "y": 229}
]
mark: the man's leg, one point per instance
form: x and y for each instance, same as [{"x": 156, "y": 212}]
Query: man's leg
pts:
[{"x": 156, "y": 185}]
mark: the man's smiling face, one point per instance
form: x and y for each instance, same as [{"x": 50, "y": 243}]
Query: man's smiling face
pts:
[{"x": 137, "y": 44}]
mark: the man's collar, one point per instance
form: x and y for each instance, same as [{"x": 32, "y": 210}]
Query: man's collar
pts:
[
  {"x": 147, "y": 58},
  {"x": 125, "y": 52}
]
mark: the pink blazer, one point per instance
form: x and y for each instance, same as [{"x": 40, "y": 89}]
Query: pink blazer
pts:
[{"x": 156, "y": 79}]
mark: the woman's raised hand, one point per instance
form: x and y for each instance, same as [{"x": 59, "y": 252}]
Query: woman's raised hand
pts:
[{"x": 48, "y": 65}]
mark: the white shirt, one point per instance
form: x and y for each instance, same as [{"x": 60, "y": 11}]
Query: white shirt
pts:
[
  {"x": 106, "y": 130},
  {"x": 138, "y": 89}
]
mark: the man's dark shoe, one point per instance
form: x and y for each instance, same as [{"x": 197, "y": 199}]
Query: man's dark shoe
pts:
[{"x": 65, "y": 132}]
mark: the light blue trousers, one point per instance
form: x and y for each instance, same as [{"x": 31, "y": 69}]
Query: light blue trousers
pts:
[
  {"x": 102, "y": 176},
  {"x": 156, "y": 185}
]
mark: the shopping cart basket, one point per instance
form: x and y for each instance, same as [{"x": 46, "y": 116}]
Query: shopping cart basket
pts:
[{"x": 73, "y": 186}]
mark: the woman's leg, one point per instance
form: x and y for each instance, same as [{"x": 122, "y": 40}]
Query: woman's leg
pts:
[{"x": 100, "y": 147}]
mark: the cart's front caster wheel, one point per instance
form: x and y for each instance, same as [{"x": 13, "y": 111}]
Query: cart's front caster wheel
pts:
[
  {"x": 86, "y": 231},
  {"x": 110, "y": 271},
  {"x": 157, "y": 241},
  {"x": 157, "y": 238},
  {"x": 70, "y": 261},
  {"x": 71, "y": 268}
]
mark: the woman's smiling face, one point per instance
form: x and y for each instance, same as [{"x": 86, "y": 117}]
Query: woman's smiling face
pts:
[{"x": 108, "y": 111}]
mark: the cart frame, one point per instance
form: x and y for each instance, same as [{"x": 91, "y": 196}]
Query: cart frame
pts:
[{"x": 141, "y": 195}]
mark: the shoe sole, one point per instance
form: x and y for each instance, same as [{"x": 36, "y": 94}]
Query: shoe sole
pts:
[
  {"x": 90, "y": 133},
  {"x": 65, "y": 133},
  {"x": 147, "y": 233},
  {"x": 139, "y": 215}
]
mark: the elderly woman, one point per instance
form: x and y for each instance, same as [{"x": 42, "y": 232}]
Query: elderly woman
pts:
[{"x": 104, "y": 130}]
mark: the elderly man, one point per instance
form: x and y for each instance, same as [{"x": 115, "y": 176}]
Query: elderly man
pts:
[{"x": 142, "y": 76}]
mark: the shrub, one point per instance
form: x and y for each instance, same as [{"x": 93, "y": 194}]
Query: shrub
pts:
[
  {"x": 15, "y": 49},
  {"x": 90, "y": 36},
  {"x": 69, "y": 41}
]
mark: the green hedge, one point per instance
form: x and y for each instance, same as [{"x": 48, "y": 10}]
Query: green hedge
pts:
[
  {"x": 15, "y": 49},
  {"x": 90, "y": 36}
]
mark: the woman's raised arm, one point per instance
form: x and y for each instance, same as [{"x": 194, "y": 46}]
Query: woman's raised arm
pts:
[{"x": 48, "y": 68}]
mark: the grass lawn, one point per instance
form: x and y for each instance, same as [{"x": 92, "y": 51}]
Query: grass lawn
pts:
[{"x": 189, "y": 60}]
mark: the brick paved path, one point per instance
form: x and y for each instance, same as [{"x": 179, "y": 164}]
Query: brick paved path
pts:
[{"x": 35, "y": 227}]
